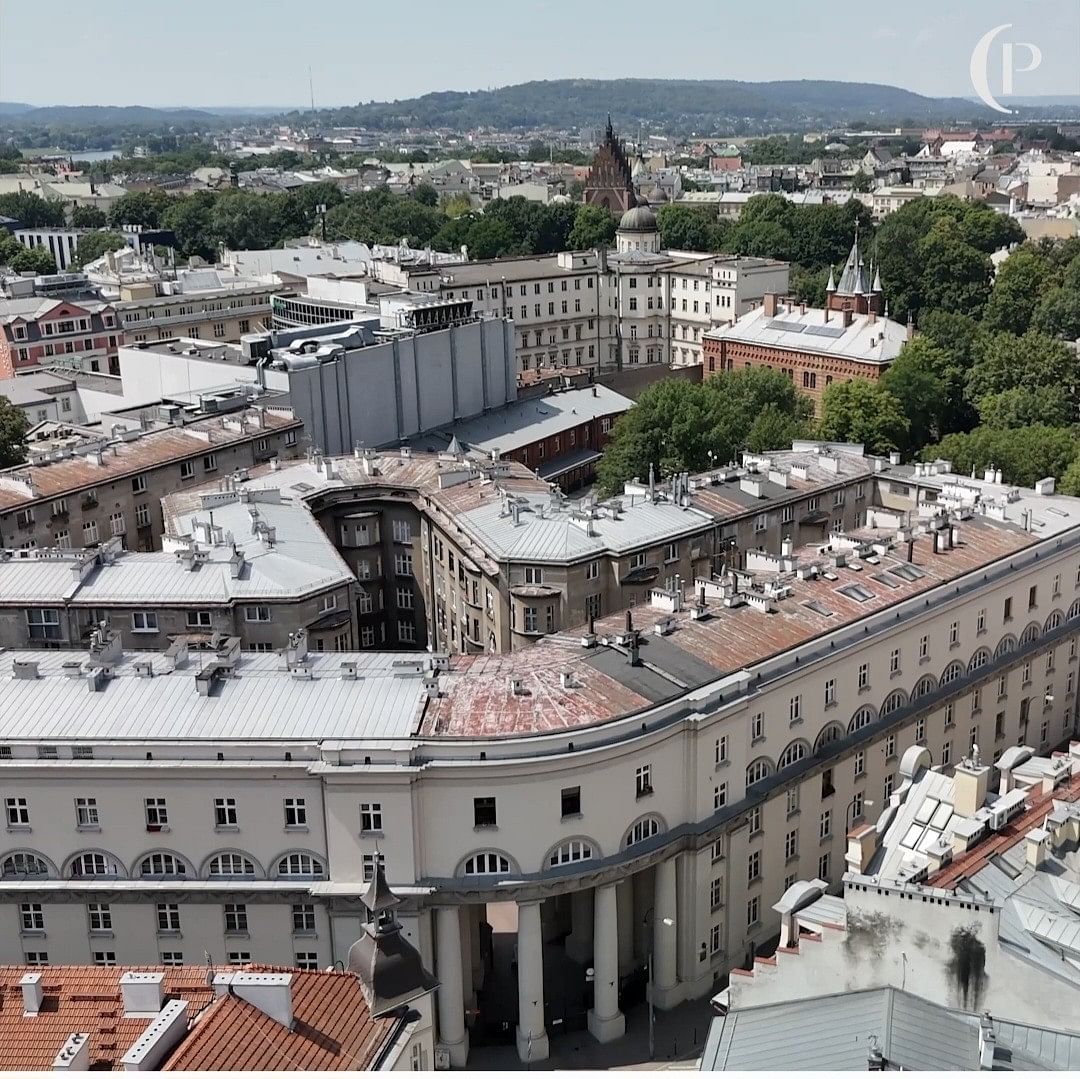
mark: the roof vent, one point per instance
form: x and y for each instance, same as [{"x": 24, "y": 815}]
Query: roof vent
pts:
[
  {"x": 142, "y": 992},
  {"x": 74, "y": 1054},
  {"x": 270, "y": 993},
  {"x": 24, "y": 669},
  {"x": 32, "y": 993},
  {"x": 155, "y": 1042}
]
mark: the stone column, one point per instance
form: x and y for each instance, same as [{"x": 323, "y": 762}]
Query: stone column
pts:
[
  {"x": 532, "y": 1039},
  {"x": 579, "y": 944},
  {"x": 624, "y": 893},
  {"x": 606, "y": 1022},
  {"x": 452, "y": 1033},
  {"x": 665, "y": 937}
]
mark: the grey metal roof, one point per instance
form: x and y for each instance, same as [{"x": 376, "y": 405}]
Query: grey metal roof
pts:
[
  {"x": 261, "y": 700},
  {"x": 834, "y": 1033}
]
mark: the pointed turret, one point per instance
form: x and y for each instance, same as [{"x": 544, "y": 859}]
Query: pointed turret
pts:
[
  {"x": 831, "y": 286},
  {"x": 389, "y": 969}
]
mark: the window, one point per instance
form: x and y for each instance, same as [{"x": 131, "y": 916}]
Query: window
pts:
[
  {"x": 403, "y": 564},
  {"x": 31, "y": 917},
  {"x": 371, "y": 817},
  {"x": 946, "y": 753},
  {"x": 792, "y": 755},
  {"x": 406, "y": 633},
  {"x": 402, "y": 531},
  {"x": 307, "y": 960},
  {"x": 720, "y": 750},
  {"x": 825, "y": 825},
  {"x": 225, "y": 813},
  {"x": 830, "y": 692},
  {"x": 300, "y": 866},
  {"x": 236, "y": 918},
  {"x": 18, "y": 812},
  {"x": 534, "y": 575},
  {"x": 980, "y": 621},
  {"x": 295, "y": 813},
  {"x": 484, "y": 812},
  {"x": 168, "y": 918},
  {"x": 757, "y": 771},
  {"x": 574, "y": 850},
  {"x": 86, "y": 813},
  {"x": 924, "y": 647},
  {"x": 404, "y": 598},
  {"x": 954, "y": 634},
  {"x": 753, "y": 866},
  {"x": 570, "y": 801},
  {"x": 157, "y": 814},
  {"x": 795, "y": 709},
  {"x": 99, "y": 917},
  {"x": 754, "y": 820},
  {"x": 43, "y": 624},
  {"x": 643, "y": 781},
  {"x": 716, "y": 893},
  {"x": 303, "y": 919},
  {"x": 90, "y": 533},
  {"x": 486, "y": 863},
  {"x": 238, "y": 958},
  {"x": 1007, "y": 611},
  {"x": 757, "y": 726},
  {"x": 864, "y": 675},
  {"x": 93, "y": 864},
  {"x": 142, "y": 515},
  {"x": 138, "y": 485},
  {"x": 718, "y": 850},
  {"x": 162, "y": 864},
  {"x": 105, "y": 959},
  {"x": 257, "y": 613},
  {"x": 172, "y": 959},
  {"x": 792, "y": 801},
  {"x": 209, "y": 462},
  {"x": 862, "y": 718},
  {"x": 888, "y": 789},
  {"x": 1032, "y": 597},
  {"x": 824, "y": 866},
  {"x": 144, "y": 622},
  {"x": 592, "y": 571},
  {"x": 860, "y": 762},
  {"x": 227, "y": 866},
  {"x": 642, "y": 830},
  {"x": 894, "y": 661},
  {"x": 791, "y": 845},
  {"x": 753, "y": 911},
  {"x": 720, "y": 796}
]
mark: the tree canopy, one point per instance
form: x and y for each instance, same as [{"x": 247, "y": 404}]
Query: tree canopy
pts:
[
  {"x": 862, "y": 411},
  {"x": 12, "y": 434},
  {"x": 95, "y": 244}
]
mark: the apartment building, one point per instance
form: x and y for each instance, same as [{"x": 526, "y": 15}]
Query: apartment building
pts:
[
  {"x": 556, "y": 778},
  {"x": 34, "y": 330},
  {"x": 247, "y": 567},
  {"x": 80, "y": 490}
]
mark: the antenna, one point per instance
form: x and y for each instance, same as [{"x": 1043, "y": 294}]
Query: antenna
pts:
[{"x": 311, "y": 88}]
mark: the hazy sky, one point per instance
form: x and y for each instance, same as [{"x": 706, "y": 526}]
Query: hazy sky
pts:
[{"x": 257, "y": 52}]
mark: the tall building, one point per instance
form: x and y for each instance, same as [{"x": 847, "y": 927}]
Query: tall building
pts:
[{"x": 610, "y": 183}]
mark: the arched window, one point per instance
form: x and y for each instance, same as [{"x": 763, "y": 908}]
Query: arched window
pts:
[
  {"x": 1030, "y": 634},
  {"x": 758, "y": 770},
  {"x": 924, "y": 687},
  {"x": 862, "y": 718},
  {"x": 893, "y": 702},
  {"x": 485, "y": 863},
  {"x": 573, "y": 850},
  {"x": 1053, "y": 621},
  {"x": 1006, "y": 645},
  {"x": 793, "y": 754},
  {"x": 229, "y": 864},
  {"x": 162, "y": 864},
  {"x": 641, "y": 830},
  {"x": 980, "y": 658},
  {"x": 23, "y": 863},
  {"x": 830, "y": 733},
  {"x": 301, "y": 865},
  {"x": 1074, "y": 610},
  {"x": 93, "y": 864},
  {"x": 952, "y": 672}
]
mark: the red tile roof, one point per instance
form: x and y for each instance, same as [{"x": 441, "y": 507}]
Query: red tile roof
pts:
[{"x": 332, "y": 1031}]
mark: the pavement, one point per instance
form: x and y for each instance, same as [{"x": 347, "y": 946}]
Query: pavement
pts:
[{"x": 679, "y": 1038}]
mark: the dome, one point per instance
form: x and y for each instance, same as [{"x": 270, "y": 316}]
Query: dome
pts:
[{"x": 638, "y": 219}]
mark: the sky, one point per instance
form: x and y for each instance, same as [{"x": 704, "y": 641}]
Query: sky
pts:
[{"x": 257, "y": 52}]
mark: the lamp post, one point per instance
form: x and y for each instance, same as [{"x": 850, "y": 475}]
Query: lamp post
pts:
[{"x": 649, "y": 979}]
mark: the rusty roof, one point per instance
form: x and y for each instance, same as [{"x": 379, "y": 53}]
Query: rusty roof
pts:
[{"x": 127, "y": 458}]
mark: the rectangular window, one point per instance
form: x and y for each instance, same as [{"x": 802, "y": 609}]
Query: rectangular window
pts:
[
  {"x": 924, "y": 647},
  {"x": 719, "y": 796},
  {"x": 825, "y": 825},
  {"x": 795, "y": 709},
  {"x": 367, "y": 866},
  {"x": 754, "y": 820},
  {"x": 142, "y": 515},
  {"x": 830, "y": 692},
  {"x": 954, "y": 634},
  {"x": 1033, "y": 597},
  {"x": 105, "y": 959},
  {"x": 864, "y": 675},
  {"x": 31, "y": 918},
  {"x": 99, "y": 917},
  {"x": 753, "y": 866},
  {"x": 643, "y": 781},
  {"x": 946, "y": 753},
  {"x": 225, "y": 813},
  {"x": 238, "y": 958},
  {"x": 43, "y": 624},
  {"x": 1007, "y": 613},
  {"x": 138, "y": 484},
  {"x": 791, "y": 844},
  {"x": 236, "y": 920},
  {"x": 371, "y": 819},
  {"x": 824, "y": 866},
  {"x": 890, "y": 747},
  {"x": 86, "y": 813},
  {"x": 144, "y": 622},
  {"x": 168, "y": 918},
  {"x": 792, "y": 801},
  {"x": 753, "y": 911},
  {"x": 172, "y": 959},
  {"x": 980, "y": 621},
  {"x": 307, "y": 960},
  {"x": 209, "y": 462},
  {"x": 592, "y": 571},
  {"x": 757, "y": 726},
  {"x": 157, "y": 814},
  {"x": 534, "y": 575},
  {"x": 37, "y": 959},
  {"x": 720, "y": 750},
  {"x": 403, "y": 565},
  {"x": 484, "y": 815},
  {"x": 402, "y": 532},
  {"x": 295, "y": 813},
  {"x": 716, "y": 893},
  {"x": 18, "y": 813},
  {"x": 570, "y": 801},
  {"x": 303, "y": 919},
  {"x": 257, "y": 613},
  {"x": 894, "y": 661}
]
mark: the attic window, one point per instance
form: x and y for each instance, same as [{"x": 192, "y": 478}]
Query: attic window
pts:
[
  {"x": 883, "y": 578},
  {"x": 818, "y": 608},
  {"x": 303, "y": 488},
  {"x": 856, "y": 592}
]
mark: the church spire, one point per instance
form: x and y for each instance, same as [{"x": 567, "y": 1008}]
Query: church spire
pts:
[{"x": 831, "y": 286}]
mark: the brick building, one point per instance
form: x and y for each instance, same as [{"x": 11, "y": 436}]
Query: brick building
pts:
[
  {"x": 849, "y": 338},
  {"x": 610, "y": 181},
  {"x": 34, "y": 330}
]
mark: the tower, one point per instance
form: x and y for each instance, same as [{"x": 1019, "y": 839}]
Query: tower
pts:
[
  {"x": 859, "y": 288},
  {"x": 610, "y": 181}
]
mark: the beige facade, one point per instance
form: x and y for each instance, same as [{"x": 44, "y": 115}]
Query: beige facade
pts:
[{"x": 213, "y": 315}]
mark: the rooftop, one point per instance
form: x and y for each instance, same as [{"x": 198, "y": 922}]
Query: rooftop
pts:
[{"x": 868, "y": 339}]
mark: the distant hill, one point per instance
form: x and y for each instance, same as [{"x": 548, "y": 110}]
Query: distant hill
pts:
[
  {"x": 675, "y": 104},
  {"x": 119, "y": 116}
]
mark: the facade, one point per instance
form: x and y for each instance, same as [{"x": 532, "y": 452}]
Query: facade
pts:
[
  {"x": 35, "y": 331},
  {"x": 42, "y": 396},
  {"x": 643, "y": 786},
  {"x": 89, "y": 487},
  {"x": 60, "y": 243},
  {"x": 610, "y": 183}
]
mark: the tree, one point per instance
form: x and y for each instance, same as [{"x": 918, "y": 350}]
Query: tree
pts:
[
  {"x": 95, "y": 244},
  {"x": 12, "y": 434},
  {"x": 1033, "y": 360},
  {"x": 1022, "y": 406},
  {"x": 31, "y": 211},
  {"x": 88, "y": 217},
  {"x": 1019, "y": 282},
  {"x": 145, "y": 208},
  {"x": 1024, "y": 454},
  {"x": 915, "y": 379},
  {"x": 593, "y": 227},
  {"x": 15, "y": 256},
  {"x": 675, "y": 424},
  {"x": 1058, "y": 313},
  {"x": 862, "y": 181},
  {"x": 862, "y": 411},
  {"x": 954, "y": 275},
  {"x": 1069, "y": 483}
]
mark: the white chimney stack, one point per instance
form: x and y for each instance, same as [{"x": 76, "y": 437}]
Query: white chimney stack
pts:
[
  {"x": 270, "y": 993},
  {"x": 74, "y": 1055},
  {"x": 32, "y": 992},
  {"x": 142, "y": 993}
]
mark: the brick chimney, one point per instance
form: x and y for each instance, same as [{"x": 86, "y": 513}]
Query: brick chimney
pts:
[
  {"x": 770, "y": 305},
  {"x": 846, "y": 316}
]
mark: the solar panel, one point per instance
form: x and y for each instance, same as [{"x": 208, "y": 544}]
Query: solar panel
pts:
[
  {"x": 788, "y": 327},
  {"x": 825, "y": 331}
]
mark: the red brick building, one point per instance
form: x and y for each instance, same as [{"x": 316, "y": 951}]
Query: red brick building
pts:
[
  {"x": 610, "y": 183},
  {"x": 849, "y": 338},
  {"x": 34, "y": 331}
]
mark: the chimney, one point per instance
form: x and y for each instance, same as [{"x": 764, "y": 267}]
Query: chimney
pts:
[
  {"x": 861, "y": 845},
  {"x": 160, "y": 1036},
  {"x": 846, "y": 317},
  {"x": 987, "y": 1043},
  {"x": 770, "y": 305},
  {"x": 74, "y": 1055},
  {"x": 1035, "y": 846},
  {"x": 971, "y": 780},
  {"x": 270, "y": 993},
  {"x": 32, "y": 993},
  {"x": 142, "y": 993}
]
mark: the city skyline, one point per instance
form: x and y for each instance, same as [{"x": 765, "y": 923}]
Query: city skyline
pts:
[{"x": 927, "y": 52}]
